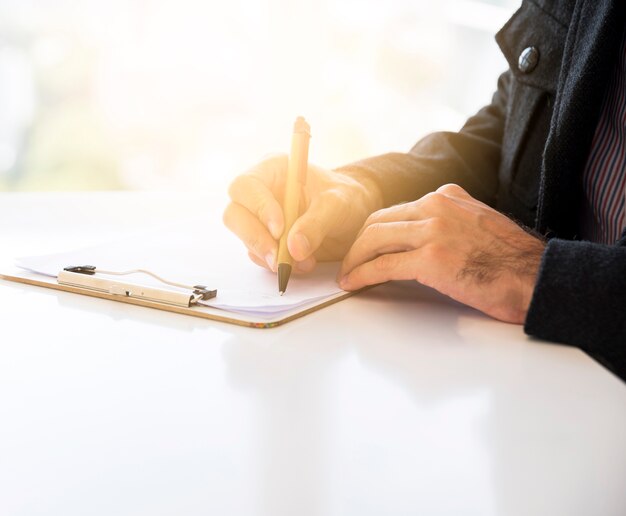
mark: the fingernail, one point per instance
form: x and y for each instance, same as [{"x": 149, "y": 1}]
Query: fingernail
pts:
[
  {"x": 271, "y": 261},
  {"x": 344, "y": 283},
  {"x": 274, "y": 229},
  {"x": 302, "y": 243}
]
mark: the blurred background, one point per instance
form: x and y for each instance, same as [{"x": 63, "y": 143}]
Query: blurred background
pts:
[{"x": 179, "y": 94}]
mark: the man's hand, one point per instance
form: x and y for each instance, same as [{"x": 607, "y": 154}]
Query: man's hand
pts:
[
  {"x": 449, "y": 241},
  {"x": 335, "y": 207}
]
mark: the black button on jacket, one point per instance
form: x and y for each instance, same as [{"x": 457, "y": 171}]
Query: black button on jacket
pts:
[{"x": 524, "y": 154}]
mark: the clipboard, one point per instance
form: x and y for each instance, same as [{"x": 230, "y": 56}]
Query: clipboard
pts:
[
  {"x": 201, "y": 311},
  {"x": 198, "y": 253}
]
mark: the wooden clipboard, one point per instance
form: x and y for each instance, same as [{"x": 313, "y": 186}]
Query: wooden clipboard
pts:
[{"x": 203, "y": 312}]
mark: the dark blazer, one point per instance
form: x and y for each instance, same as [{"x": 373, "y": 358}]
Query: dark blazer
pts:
[{"x": 524, "y": 154}]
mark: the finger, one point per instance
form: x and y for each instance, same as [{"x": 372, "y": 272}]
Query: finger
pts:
[
  {"x": 430, "y": 205},
  {"x": 434, "y": 205},
  {"x": 327, "y": 211},
  {"x": 383, "y": 238},
  {"x": 396, "y": 213},
  {"x": 252, "y": 233},
  {"x": 251, "y": 192},
  {"x": 393, "y": 266}
]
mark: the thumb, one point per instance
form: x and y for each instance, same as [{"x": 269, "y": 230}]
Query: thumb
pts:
[{"x": 325, "y": 212}]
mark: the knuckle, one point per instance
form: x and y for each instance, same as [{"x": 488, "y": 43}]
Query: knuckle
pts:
[
  {"x": 450, "y": 189},
  {"x": 434, "y": 200},
  {"x": 436, "y": 226}
]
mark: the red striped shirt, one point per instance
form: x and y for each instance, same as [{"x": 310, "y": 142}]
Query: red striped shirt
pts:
[{"x": 604, "y": 177}]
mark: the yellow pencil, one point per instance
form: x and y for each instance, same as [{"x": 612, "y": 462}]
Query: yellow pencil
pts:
[{"x": 296, "y": 179}]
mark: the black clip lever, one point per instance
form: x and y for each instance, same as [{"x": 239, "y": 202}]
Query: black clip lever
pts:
[
  {"x": 82, "y": 269},
  {"x": 204, "y": 292}
]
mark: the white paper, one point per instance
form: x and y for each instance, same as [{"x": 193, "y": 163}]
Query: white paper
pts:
[{"x": 197, "y": 256}]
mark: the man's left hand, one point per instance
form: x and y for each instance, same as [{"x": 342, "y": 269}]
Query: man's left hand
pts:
[{"x": 453, "y": 243}]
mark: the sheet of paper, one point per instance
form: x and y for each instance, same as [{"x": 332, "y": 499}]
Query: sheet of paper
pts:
[{"x": 196, "y": 255}]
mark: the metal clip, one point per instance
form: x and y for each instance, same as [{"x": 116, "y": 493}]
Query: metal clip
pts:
[{"x": 77, "y": 276}]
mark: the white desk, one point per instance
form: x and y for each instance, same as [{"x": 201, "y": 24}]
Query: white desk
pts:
[{"x": 396, "y": 401}]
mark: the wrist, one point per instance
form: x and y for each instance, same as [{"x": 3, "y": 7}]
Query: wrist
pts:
[
  {"x": 526, "y": 281},
  {"x": 525, "y": 295}
]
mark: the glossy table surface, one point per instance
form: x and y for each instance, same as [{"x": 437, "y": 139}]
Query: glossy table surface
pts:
[{"x": 395, "y": 401}]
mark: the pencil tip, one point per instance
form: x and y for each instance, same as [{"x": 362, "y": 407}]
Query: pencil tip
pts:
[{"x": 284, "y": 270}]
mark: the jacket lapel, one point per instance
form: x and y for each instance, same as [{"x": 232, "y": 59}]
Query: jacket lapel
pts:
[{"x": 588, "y": 60}]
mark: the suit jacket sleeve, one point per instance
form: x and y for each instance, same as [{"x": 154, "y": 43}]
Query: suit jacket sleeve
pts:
[
  {"x": 469, "y": 158},
  {"x": 580, "y": 299}
]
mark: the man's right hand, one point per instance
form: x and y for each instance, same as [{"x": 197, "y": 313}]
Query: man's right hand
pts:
[{"x": 333, "y": 209}]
